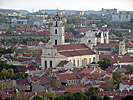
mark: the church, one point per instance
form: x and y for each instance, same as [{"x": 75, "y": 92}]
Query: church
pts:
[
  {"x": 57, "y": 51},
  {"x": 95, "y": 36}
]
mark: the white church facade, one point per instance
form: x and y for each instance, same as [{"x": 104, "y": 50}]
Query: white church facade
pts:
[
  {"x": 56, "y": 51},
  {"x": 94, "y": 36}
]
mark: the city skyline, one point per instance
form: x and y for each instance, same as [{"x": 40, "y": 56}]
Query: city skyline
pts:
[{"x": 67, "y": 4}]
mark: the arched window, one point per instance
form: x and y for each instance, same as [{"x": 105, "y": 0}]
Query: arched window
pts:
[
  {"x": 78, "y": 62},
  {"x": 82, "y": 62},
  {"x": 55, "y": 42},
  {"x": 94, "y": 59},
  {"x": 56, "y": 24},
  {"x": 74, "y": 62},
  {"x": 55, "y": 31},
  {"x": 50, "y": 63},
  {"x": 85, "y": 61},
  {"x": 45, "y": 64}
]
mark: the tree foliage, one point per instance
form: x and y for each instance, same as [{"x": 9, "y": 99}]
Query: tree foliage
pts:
[
  {"x": 116, "y": 79},
  {"x": 105, "y": 63},
  {"x": 128, "y": 97},
  {"x": 93, "y": 93},
  {"x": 106, "y": 97},
  {"x": 68, "y": 95},
  {"x": 129, "y": 69}
]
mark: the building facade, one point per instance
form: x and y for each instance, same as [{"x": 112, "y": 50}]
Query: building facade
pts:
[
  {"x": 94, "y": 36},
  {"x": 56, "y": 51},
  {"x": 57, "y": 31}
]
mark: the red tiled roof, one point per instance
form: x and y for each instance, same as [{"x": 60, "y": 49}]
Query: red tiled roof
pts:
[
  {"x": 116, "y": 58},
  {"x": 110, "y": 69},
  {"x": 79, "y": 36},
  {"x": 109, "y": 45},
  {"x": 76, "y": 88},
  {"x": 70, "y": 76},
  {"x": 82, "y": 30},
  {"x": 77, "y": 53},
  {"x": 86, "y": 70},
  {"x": 70, "y": 47}
]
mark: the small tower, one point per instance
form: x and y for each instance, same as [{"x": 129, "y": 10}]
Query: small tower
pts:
[
  {"x": 122, "y": 47},
  {"x": 57, "y": 31},
  {"x": 106, "y": 34}
]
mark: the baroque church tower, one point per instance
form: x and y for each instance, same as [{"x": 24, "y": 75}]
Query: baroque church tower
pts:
[{"x": 57, "y": 31}]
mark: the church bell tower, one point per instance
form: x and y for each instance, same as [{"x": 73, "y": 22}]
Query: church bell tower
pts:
[{"x": 57, "y": 31}]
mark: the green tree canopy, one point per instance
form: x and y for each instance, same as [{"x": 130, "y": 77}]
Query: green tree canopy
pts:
[
  {"x": 93, "y": 93},
  {"x": 106, "y": 97},
  {"x": 105, "y": 63},
  {"x": 129, "y": 69},
  {"x": 128, "y": 97}
]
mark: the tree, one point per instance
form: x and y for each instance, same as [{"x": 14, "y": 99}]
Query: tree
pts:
[
  {"x": 38, "y": 96},
  {"x": 105, "y": 63},
  {"x": 80, "y": 96},
  {"x": 11, "y": 72},
  {"x": 18, "y": 96},
  {"x": 129, "y": 69},
  {"x": 50, "y": 95},
  {"x": 117, "y": 79},
  {"x": 4, "y": 73},
  {"x": 106, "y": 97},
  {"x": 128, "y": 97},
  {"x": 9, "y": 31},
  {"x": 108, "y": 85},
  {"x": 93, "y": 93}
]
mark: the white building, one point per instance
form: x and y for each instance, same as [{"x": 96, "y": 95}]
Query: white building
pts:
[
  {"x": 56, "y": 51},
  {"x": 109, "y": 11},
  {"x": 94, "y": 36},
  {"x": 121, "y": 17}
]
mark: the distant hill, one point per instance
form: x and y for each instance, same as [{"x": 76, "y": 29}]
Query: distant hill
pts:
[
  {"x": 7, "y": 11},
  {"x": 71, "y": 11}
]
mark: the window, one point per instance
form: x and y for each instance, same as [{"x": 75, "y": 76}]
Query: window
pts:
[
  {"x": 50, "y": 63},
  {"x": 45, "y": 64},
  {"x": 89, "y": 41},
  {"x": 74, "y": 62},
  {"x": 55, "y": 31},
  {"x": 55, "y": 42},
  {"x": 78, "y": 62},
  {"x": 94, "y": 59},
  {"x": 56, "y": 24}
]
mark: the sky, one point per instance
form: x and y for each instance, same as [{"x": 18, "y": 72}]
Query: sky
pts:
[{"x": 67, "y": 4}]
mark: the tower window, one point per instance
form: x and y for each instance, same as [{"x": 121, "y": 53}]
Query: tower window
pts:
[
  {"x": 55, "y": 31},
  {"x": 45, "y": 64},
  {"x": 56, "y": 24},
  {"x": 55, "y": 42},
  {"x": 50, "y": 63}
]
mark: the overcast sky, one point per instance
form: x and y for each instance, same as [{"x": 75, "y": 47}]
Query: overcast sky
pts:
[{"x": 67, "y": 4}]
